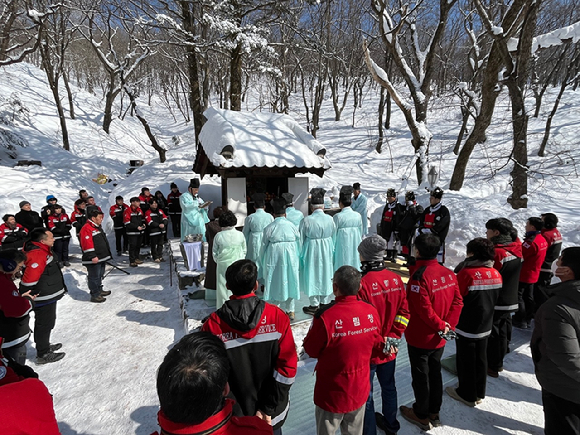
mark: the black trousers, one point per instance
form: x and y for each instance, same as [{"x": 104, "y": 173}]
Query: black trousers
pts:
[
  {"x": 498, "y": 340},
  {"x": 44, "y": 321},
  {"x": 134, "y": 247},
  {"x": 427, "y": 382},
  {"x": 17, "y": 353},
  {"x": 121, "y": 241},
  {"x": 525, "y": 302},
  {"x": 471, "y": 361},
  {"x": 61, "y": 248},
  {"x": 156, "y": 246},
  {"x": 176, "y": 224},
  {"x": 562, "y": 417}
]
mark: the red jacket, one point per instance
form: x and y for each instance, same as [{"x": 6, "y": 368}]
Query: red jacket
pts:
[
  {"x": 434, "y": 298},
  {"x": 60, "y": 225},
  {"x": 261, "y": 348},
  {"x": 343, "y": 336},
  {"x": 14, "y": 311},
  {"x": 534, "y": 248},
  {"x": 385, "y": 291},
  {"x": 12, "y": 237},
  {"x": 554, "y": 240},
  {"x": 222, "y": 423},
  {"x": 21, "y": 416}
]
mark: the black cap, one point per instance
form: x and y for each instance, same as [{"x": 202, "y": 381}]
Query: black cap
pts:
[
  {"x": 437, "y": 193},
  {"x": 194, "y": 183},
  {"x": 346, "y": 190},
  {"x": 259, "y": 200},
  {"x": 391, "y": 193},
  {"x": 356, "y": 186},
  {"x": 279, "y": 205},
  {"x": 289, "y": 197},
  {"x": 317, "y": 195},
  {"x": 410, "y": 195}
]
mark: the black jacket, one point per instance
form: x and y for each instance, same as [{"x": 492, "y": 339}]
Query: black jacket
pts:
[
  {"x": 42, "y": 275},
  {"x": 408, "y": 222},
  {"x": 28, "y": 219},
  {"x": 555, "y": 341},
  {"x": 390, "y": 219},
  {"x": 436, "y": 219},
  {"x": 94, "y": 243}
]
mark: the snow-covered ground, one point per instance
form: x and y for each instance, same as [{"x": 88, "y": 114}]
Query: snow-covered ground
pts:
[{"x": 106, "y": 383}]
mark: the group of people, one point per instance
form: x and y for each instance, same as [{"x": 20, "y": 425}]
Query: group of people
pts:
[{"x": 357, "y": 337}]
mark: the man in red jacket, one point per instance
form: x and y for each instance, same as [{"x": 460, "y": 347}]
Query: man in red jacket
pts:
[
  {"x": 344, "y": 336},
  {"x": 260, "y": 347},
  {"x": 386, "y": 292},
  {"x": 554, "y": 240},
  {"x": 435, "y": 305},
  {"x": 534, "y": 248},
  {"x": 192, "y": 383}
]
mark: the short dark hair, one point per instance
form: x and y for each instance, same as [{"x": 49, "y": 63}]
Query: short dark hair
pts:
[
  {"x": 192, "y": 378},
  {"x": 514, "y": 234},
  {"x": 79, "y": 202},
  {"x": 481, "y": 248},
  {"x": 38, "y": 234},
  {"x": 346, "y": 201},
  {"x": 94, "y": 212},
  {"x": 81, "y": 192},
  {"x": 227, "y": 219},
  {"x": 135, "y": 199},
  {"x": 6, "y": 217},
  {"x": 118, "y": 197},
  {"x": 12, "y": 255},
  {"x": 536, "y": 222},
  {"x": 218, "y": 211},
  {"x": 241, "y": 277},
  {"x": 503, "y": 225},
  {"x": 550, "y": 220},
  {"x": 347, "y": 279},
  {"x": 428, "y": 245},
  {"x": 571, "y": 258}
]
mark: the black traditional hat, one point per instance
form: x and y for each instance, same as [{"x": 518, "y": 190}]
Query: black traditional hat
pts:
[
  {"x": 173, "y": 186},
  {"x": 194, "y": 183},
  {"x": 279, "y": 206},
  {"x": 437, "y": 193},
  {"x": 345, "y": 194},
  {"x": 289, "y": 197},
  {"x": 356, "y": 186},
  {"x": 410, "y": 195},
  {"x": 391, "y": 193},
  {"x": 259, "y": 200},
  {"x": 317, "y": 196}
]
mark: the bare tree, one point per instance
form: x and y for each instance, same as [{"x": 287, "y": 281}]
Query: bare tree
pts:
[
  {"x": 20, "y": 29},
  {"x": 415, "y": 64}
]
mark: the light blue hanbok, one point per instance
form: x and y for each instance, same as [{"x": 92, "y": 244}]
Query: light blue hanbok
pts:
[
  {"x": 253, "y": 232},
  {"x": 280, "y": 260},
  {"x": 317, "y": 232},
  {"x": 193, "y": 218},
  {"x": 229, "y": 245},
  {"x": 294, "y": 216},
  {"x": 348, "y": 237},
  {"x": 360, "y": 206}
]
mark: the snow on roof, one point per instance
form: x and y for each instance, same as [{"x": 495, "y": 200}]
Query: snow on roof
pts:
[{"x": 259, "y": 140}]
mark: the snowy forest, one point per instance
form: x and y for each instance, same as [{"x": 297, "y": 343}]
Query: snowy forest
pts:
[{"x": 458, "y": 54}]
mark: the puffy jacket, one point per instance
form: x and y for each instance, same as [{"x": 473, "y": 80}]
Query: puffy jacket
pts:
[
  {"x": 60, "y": 226},
  {"x": 436, "y": 219},
  {"x": 554, "y": 240},
  {"x": 385, "y": 291},
  {"x": 344, "y": 336},
  {"x": 534, "y": 248},
  {"x": 133, "y": 219},
  {"x": 12, "y": 237},
  {"x": 144, "y": 202},
  {"x": 14, "y": 315},
  {"x": 173, "y": 202},
  {"x": 261, "y": 348},
  {"x": 117, "y": 212},
  {"x": 94, "y": 243},
  {"x": 153, "y": 219},
  {"x": 28, "y": 219},
  {"x": 555, "y": 341},
  {"x": 479, "y": 285},
  {"x": 221, "y": 423},
  {"x": 42, "y": 275},
  {"x": 434, "y": 299},
  {"x": 78, "y": 219},
  {"x": 508, "y": 261}
]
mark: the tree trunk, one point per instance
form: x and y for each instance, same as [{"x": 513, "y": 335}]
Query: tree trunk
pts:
[
  {"x": 465, "y": 111},
  {"x": 109, "y": 100},
  {"x": 542, "y": 150},
  {"x": 71, "y": 107},
  {"x": 236, "y": 79},
  {"x": 519, "y": 198},
  {"x": 381, "y": 111}
]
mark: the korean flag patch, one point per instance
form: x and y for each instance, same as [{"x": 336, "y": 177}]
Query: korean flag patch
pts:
[
  {"x": 415, "y": 288},
  {"x": 34, "y": 265}
]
